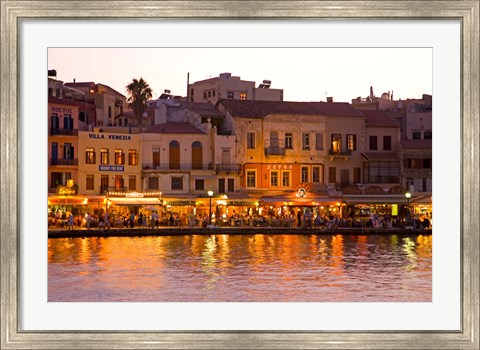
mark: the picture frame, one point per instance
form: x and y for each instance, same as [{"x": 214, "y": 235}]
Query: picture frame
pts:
[{"x": 467, "y": 12}]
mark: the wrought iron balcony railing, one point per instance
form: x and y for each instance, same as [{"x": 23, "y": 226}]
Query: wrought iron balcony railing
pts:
[
  {"x": 62, "y": 161},
  {"x": 63, "y": 132},
  {"x": 176, "y": 167},
  {"x": 221, "y": 167}
]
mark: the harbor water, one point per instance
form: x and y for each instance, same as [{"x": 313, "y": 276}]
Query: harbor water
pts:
[{"x": 241, "y": 268}]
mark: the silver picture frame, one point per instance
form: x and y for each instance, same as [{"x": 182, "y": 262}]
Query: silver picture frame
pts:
[{"x": 467, "y": 12}]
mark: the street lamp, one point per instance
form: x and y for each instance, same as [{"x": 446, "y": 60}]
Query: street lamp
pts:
[
  {"x": 210, "y": 194},
  {"x": 408, "y": 195}
]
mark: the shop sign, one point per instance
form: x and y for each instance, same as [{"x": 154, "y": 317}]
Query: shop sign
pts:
[
  {"x": 133, "y": 195},
  {"x": 180, "y": 203},
  {"x": 394, "y": 209},
  {"x": 62, "y": 110},
  {"x": 216, "y": 195},
  {"x": 240, "y": 203},
  {"x": 65, "y": 191},
  {"x": 110, "y": 167},
  {"x": 279, "y": 167}
]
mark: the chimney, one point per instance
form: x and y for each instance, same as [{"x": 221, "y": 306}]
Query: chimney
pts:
[{"x": 329, "y": 99}]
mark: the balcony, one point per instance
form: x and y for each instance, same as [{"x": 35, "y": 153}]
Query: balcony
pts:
[
  {"x": 221, "y": 167},
  {"x": 345, "y": 154},
  {"x": 176, "y": 167},
  {"x": 63, "y": 132},
  {"x": 60, "y": 161},
  {"x": 274, "y": 147}
]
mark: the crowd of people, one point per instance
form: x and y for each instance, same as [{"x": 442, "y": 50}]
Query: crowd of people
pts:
[{"x": 302, "y": 219}]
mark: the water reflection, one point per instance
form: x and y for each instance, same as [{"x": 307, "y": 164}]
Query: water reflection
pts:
[{"x": 241, "y": 268}]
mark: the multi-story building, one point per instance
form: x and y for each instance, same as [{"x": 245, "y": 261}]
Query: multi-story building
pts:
[
  {"x": 226, "y": 86},
  {"x": 109, "y": 161},
  {"x": 63, "y": 127},
  {"x": 109, "y": 102},
  {"x": 295, "y": 153}
]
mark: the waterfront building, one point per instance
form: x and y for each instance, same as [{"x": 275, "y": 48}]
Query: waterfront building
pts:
[
  {"x": 226, "y": 86},
  {"x": 109, "y": 166},
  {"x": 109, "y": 102}
]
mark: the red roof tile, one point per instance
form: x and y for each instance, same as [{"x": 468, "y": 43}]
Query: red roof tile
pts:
[
  {"x": 378, "y": 118},
  {"x": 61, "y": 101},
  {"x": 260, "y": 109},
  {"x": 173, "y": 128}
]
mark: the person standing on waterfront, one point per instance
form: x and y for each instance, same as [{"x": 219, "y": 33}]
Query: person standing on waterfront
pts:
[
  {"x": 132, "y": 219},
  {"x": 70, "y": 222},
  {"x": 299, "y": 217},
  {"x": 88, "y": 219},
  {"x": 106, "y": 221}
]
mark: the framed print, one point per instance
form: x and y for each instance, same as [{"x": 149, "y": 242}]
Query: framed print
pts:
[{"x": 447, "y": 31}]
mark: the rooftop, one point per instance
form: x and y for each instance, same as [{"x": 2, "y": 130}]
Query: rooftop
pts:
[
  {"x": 261, "y": 109},
  {"x": 378, "y": 118},
  {"x": 173, "y": 128}
]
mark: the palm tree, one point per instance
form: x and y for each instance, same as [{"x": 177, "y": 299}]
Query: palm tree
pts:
[{"x": 139, "y": 93}]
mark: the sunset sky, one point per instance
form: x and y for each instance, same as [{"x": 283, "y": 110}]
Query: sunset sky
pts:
[{"x": 305, "y": 74}]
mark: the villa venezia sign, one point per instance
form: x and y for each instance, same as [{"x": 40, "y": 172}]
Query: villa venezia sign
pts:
[{"x": 109, "y": 137}]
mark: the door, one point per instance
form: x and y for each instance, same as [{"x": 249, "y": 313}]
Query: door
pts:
[
  {"x": 174, "y": 155},
  {"x": 196, "y": 155}
]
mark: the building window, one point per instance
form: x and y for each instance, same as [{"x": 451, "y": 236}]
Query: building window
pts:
[
  {"x": 289, "y": 140},
  {"x": 427, "y": 135},
  {"x": 90, "y": 156},
  {"x": 427, "y": 163},
  {"x": 132, "y": 182},
  {"x": 373, "y": 143},
  {"x": 119, "y": 157},
  {"x": 199, "y": 184},
  {"x": 243, "y": 96},
  {"x": 221, "y": 185},
  {"x": 387, "y": 143},
  {"x": 285, "y": 178},
  {"x": 132, "y": 157},
  {"x": 231, "y": 185},
  {"x": 316, "y": 174},
  {"x": 177, "y": 183},
  {"x": 274, "y": 178},
  {"x": 119, "y": 185},
  {"x": 319, "y": 141},
  {"x": 67, "y": 122},
  {"x": 213, "y": 93},
  {"x": 104, "y": 156},
  {"x": 332, "y": 175},
  {"x": 305, "y": 140},
  {"x": 304, "y": 172},
  {"x": 109, "y": 112},
  {"x": 410, "y": 185},
  {"x": 250, "y": 140},
  {"x": 251, "y": 181},
  {"x": 357, "y": 175},
  {"x": 424, "y": 185},
  {"x": 156, "y": 156},
  {"x": 90, "y": 182},
  {"x": 230, "y": 95},
  {"x": 344, "y": 177},
  {"x": 204, "y": 95},
  {"x": 351, "y": 142},
  {"x": 153, "y": 183},
  {"x": 67, "y": 151},
  {"x": 209, "y": 94},
  {"x": 382, "y": 172},
  {"x": 416, "y": 135},
  {"x": 336, "y": 145},
  {"x": 104, "y": 183}
]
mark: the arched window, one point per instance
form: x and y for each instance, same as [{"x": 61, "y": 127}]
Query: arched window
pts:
[
  {"x": 174, "y": 155},
  {"x": 196, "y": 155}
]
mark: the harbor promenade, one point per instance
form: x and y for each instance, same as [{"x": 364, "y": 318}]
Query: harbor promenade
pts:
[{"x": 181, "y": 231}]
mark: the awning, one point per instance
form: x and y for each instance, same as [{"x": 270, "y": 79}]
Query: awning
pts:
[
  {"x": 67, "y": 200},
  {"x": 383, "y": 156},
  {"x": 299, "y": 201},
  {"x": 134, "y": 201},
  {"x": 375, "y": 199}
]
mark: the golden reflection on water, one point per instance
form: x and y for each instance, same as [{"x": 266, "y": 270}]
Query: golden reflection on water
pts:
[{"x": 219, "y": 267}]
